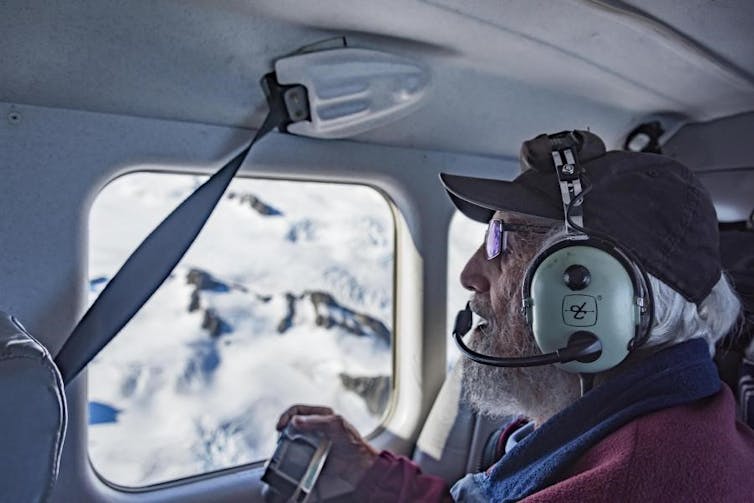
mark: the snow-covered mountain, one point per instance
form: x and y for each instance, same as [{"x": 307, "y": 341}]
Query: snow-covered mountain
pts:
[{"x": 285, "y": 297}]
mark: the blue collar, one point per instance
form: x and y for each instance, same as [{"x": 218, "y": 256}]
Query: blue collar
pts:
[{"x": 680, "y": 374}]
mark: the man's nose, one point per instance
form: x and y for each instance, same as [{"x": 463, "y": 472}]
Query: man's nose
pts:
[{"x": 473, "y": 276}]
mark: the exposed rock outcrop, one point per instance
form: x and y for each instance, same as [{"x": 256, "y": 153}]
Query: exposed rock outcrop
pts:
[
  {"x": 287, "y": 321},
  {"x": 249, "y": 199},
  {"x": 214, "y": 324},
  {"x": 302, "y": 230},
  {"x": 375, "y": 390},
  {"x": 330, "y": 313},
  {"x": 203, "y": 280}
]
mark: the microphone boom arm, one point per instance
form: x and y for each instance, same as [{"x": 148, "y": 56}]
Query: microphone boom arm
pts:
[{"x": 583, "y": 347}]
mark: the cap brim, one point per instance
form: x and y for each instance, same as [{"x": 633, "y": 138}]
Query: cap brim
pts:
[{"x": 479, "y": 198}]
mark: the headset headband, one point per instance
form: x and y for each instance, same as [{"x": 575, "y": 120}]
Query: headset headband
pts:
[{"x": 569, "y": 177}]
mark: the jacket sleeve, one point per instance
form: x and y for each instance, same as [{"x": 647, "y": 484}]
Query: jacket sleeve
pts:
[{"x": 397, "y": 479}]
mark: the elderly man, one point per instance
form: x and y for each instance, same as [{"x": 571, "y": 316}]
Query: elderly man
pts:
[{"x": 633, "y": 409}]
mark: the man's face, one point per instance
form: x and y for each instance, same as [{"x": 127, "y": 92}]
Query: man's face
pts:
[{"x": 536, "y": 392}]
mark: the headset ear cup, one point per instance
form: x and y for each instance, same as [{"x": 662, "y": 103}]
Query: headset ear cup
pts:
[{"x": 556, "y": 307}]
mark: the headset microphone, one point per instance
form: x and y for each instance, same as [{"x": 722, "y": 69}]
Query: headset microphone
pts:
[{"x": 582, "y": 347}]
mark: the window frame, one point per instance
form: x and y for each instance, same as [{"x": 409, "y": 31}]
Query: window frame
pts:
[{"x": 381, "y": 425}]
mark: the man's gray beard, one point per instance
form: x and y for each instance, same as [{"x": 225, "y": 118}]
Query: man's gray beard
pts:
[{"x": 534, "y": 392}]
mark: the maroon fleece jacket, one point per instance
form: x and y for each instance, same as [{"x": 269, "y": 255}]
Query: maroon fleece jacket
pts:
[{"x": 693, "y": 452}]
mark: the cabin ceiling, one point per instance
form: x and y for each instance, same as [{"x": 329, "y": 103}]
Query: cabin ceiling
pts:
[{"x": 502, "y": 70}]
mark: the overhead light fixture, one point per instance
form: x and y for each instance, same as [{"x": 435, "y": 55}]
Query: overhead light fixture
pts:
[
  {"x": 349, "y": 91},
  {"x": 645, "y": 138}
]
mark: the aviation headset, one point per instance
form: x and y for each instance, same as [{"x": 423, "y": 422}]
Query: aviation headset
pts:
[{"x": 586, "y": 300}]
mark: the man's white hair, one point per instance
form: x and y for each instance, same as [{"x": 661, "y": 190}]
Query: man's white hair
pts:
[{"x": 677, "y": 320}]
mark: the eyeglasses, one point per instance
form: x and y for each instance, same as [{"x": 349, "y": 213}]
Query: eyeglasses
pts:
[{"x": 496, "y": 238}]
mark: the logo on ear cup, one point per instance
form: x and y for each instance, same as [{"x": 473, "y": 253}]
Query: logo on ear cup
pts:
[{"x": 579, "y": 310}]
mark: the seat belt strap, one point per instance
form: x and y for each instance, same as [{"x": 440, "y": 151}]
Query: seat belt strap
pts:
[{"x": 154, "y": 259}]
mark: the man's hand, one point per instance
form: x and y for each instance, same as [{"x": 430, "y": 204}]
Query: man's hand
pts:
[{"x": 350, "y": 455}]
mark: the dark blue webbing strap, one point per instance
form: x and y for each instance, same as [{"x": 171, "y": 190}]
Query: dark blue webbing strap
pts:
[{"x": 151, "y": 263}]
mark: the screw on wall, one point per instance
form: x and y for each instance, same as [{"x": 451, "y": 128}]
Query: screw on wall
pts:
[{"x": 14, "y": 117}]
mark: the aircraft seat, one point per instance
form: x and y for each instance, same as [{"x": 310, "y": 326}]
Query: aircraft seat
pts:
[
  {"x": 32, "y": 415},
  {"x": 454, "y": 439}
]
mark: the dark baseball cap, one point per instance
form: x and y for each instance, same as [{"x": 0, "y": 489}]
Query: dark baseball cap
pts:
[{"x": 647, "y": 203}]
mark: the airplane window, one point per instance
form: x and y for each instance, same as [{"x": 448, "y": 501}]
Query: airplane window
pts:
[
  {"x": 285, "y": 297},
  {"x": 464, "y": 237}
]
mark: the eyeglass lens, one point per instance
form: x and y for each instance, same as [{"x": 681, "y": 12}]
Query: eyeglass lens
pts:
[{"x": 496, "y": 239}]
